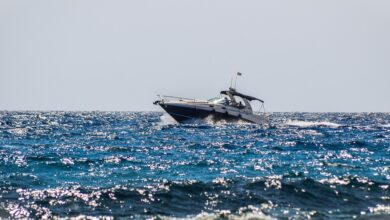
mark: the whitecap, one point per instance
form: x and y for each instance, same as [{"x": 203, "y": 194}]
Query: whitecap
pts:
[
  {"x": 18, "y": 131},
  {"x": 336, "y": 181},
  {"x": 305, "y": 124},
  {"x": 379, "y": 208},
  {"x": 225, "y": 214},
  {"x": 112, "y": 159},
  {"x": 67, "y": 161}
]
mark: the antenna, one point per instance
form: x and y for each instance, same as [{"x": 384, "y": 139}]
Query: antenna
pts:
[{"x": 235, "y": 83}]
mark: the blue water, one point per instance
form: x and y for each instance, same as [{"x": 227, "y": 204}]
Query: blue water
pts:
[{"x": 124, "y": 164}]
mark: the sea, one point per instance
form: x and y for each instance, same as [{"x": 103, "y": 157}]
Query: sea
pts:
[{"x": 143, "y": 165}]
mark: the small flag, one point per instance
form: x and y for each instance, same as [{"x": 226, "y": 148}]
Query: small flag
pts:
[{"x": 239, "y": 74}]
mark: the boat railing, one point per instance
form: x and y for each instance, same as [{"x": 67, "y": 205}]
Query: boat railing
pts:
[{"x": 165, "y": 98}]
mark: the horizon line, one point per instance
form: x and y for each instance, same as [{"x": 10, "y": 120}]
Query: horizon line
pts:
[{"x": 135, "y": 111}]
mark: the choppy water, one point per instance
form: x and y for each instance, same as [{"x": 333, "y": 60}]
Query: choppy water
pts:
[{"x": 58, "y": 164}]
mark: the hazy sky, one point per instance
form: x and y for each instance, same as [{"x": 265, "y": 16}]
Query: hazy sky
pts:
[{"x": 118, "y": 55}]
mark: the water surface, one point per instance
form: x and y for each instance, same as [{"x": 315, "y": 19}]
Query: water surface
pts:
[{"x": 126, "y": 164}]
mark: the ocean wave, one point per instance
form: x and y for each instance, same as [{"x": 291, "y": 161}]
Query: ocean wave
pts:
[
  {"x": 197, "y": 197},
  {"x": 244, "y": 213}
]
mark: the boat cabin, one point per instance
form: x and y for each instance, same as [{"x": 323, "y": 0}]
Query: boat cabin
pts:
[{"x": 235, "y": 99}]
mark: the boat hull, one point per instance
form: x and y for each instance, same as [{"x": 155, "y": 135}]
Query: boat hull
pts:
[{"x": 187, "y": 113}]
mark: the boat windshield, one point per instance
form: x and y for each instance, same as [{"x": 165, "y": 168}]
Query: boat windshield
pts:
[{"x": 218, "y": 100}]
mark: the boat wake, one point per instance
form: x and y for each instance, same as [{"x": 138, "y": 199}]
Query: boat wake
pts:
[
  {"x": 166, "y": 119},
  {"x": 212, "y": 120}
]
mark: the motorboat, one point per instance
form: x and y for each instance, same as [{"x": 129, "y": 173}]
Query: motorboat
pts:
[{"x": 231, "y": 106}]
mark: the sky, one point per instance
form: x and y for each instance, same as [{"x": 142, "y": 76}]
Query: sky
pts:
[{"x": 310, "y": 56}]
